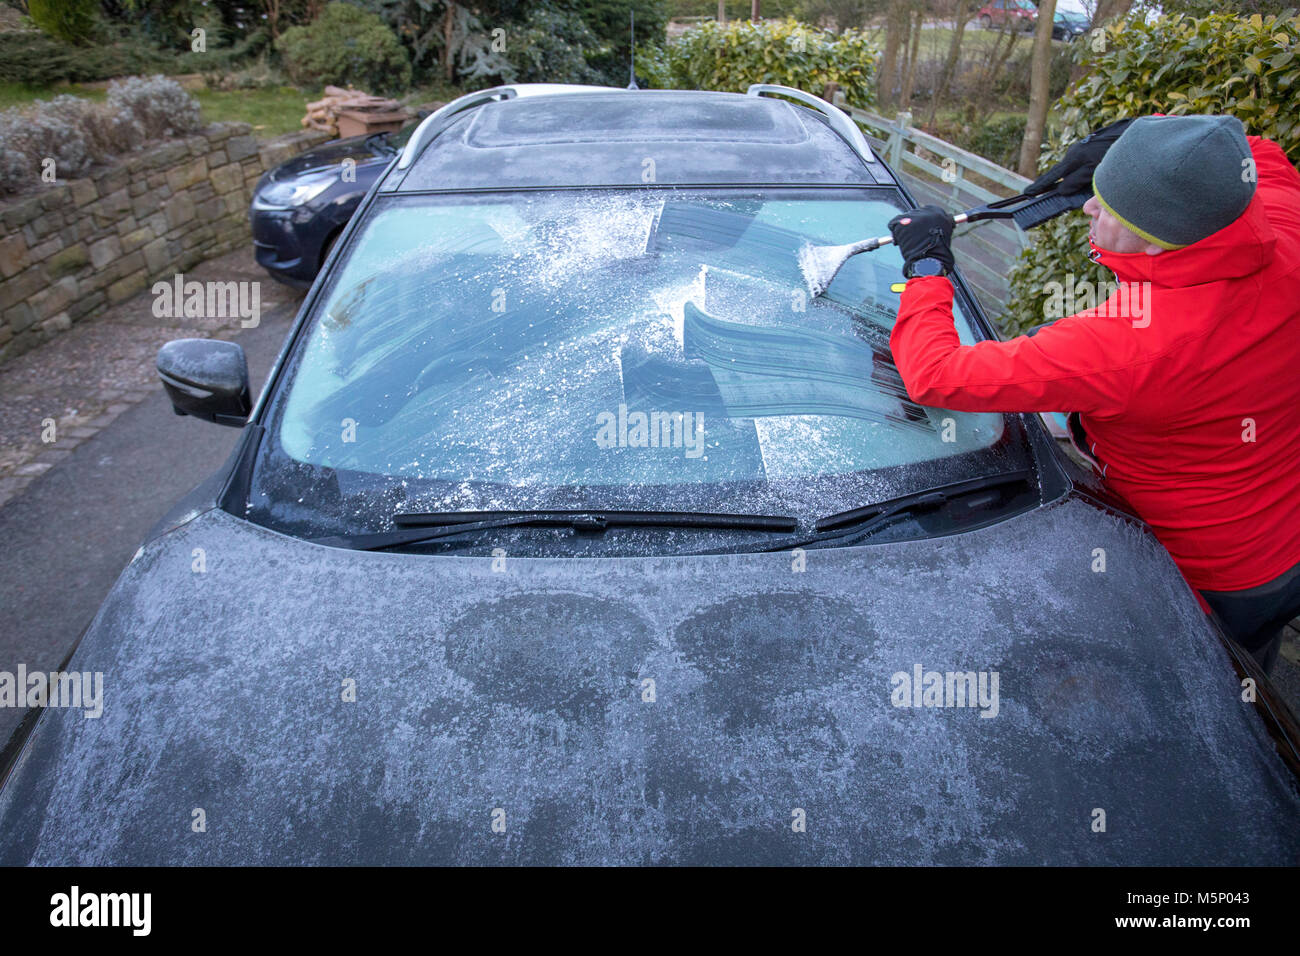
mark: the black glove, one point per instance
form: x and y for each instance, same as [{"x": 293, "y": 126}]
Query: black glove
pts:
[
  {"x": 1075, "y": 171},
  {"x": 923, "y": 233}
]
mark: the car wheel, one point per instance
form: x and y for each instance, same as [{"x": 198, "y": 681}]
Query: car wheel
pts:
[{"x": 986, "y": 22}]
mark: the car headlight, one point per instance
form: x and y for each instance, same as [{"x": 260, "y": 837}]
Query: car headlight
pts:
[{"x": 293, "y": 193}]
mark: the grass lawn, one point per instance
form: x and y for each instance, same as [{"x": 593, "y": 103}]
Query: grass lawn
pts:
[
  {"x": 271, "y": 111},
  {"x": 19, "y": 94}
]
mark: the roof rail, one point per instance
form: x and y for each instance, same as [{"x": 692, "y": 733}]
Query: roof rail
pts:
[
  {"x": 838, "y": 120},
  {"x": 436, "y": 122}
]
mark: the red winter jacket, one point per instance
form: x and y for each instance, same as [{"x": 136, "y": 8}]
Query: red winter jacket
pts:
[{"x": 1191, "y": 403}]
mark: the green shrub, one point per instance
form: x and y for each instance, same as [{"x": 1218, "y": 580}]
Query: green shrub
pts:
[
  {"x": 32, "y": 58},
  {"x": 72, "y": 21},
  {"x": 250, "y": 52},
  {"x": 1177, "y": 65},
  {"x": 608, "y": 20},
  {"x": 733, "y": 56},
  {"x": 168, "y": 23},
  {"x": 551, "y": 46},
  {"x": 346, "y": 44},
  {"x": 418, "y": 24},
  {"x": 999, "y": 140}
]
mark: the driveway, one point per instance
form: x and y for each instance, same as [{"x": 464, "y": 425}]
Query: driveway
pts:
[{"x": 79, "y": 506}]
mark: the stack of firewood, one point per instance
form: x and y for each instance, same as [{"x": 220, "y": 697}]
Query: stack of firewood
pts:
[{"x": 324, "y": 113}]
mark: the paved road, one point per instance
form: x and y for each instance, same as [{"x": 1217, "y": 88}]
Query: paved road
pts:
[{"x": 68, "y": 535}]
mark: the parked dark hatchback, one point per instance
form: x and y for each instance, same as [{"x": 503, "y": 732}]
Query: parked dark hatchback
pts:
[
  {"x": 301, "y": 206},
  {"x": 1068, "y": 25},
  {"x": 567, "y": 529}
]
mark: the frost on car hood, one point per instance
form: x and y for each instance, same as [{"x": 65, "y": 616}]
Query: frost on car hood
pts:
[{"x": 520, "y": 696}]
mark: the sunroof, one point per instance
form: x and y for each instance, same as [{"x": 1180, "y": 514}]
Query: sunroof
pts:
[
  {"x": 624, "y": 118},
  {"x": 635, "y": 138}
]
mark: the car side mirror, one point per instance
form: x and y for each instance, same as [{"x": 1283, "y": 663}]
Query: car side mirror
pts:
[{"x": 206, "y": 378}]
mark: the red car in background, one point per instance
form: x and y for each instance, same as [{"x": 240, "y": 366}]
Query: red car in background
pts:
[{"x": 1021, "y": 13}]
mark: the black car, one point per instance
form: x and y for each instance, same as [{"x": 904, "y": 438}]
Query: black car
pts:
[
  {"x": 567, "y": 529},
  {"x": 1069, "y": 25},
  {"x": 301, "y": 206}
]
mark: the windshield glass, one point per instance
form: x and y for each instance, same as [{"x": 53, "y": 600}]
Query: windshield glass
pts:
[{"x": 616, "y": 349}]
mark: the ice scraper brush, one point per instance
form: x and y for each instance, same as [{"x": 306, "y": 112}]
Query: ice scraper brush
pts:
[{"x": 820, "y": 264}]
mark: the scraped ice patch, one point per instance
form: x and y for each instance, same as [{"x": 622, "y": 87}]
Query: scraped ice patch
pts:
[
  {"x": 819, "y": 264},
  {"x": 671, "y": 302},
  {"x": 795, "y": 446}
]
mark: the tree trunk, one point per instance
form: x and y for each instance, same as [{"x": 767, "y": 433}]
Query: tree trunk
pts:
[
  {"x": 961, "y": 13},
  {"x": 753, "y": 10},
  {"x": 448, "y": 54},
  {"x": 722, "y": 11},
  {"x": 1039, "y": 80},
  {"x": 997, "y": 61},
  {"x": 905, "y": 100},
  {"x": 896, "y": 24},
  {"x": 1110, "y": 9}
]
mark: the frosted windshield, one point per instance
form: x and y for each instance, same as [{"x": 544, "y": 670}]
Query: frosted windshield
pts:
[{"x": 612, "y": 338}]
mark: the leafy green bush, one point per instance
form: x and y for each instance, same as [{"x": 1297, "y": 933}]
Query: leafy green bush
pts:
[
  {"x": 999, "y": 140},
  {"x": 733, "y": 56},
  {"x": 167, "y": 23},
  {"x": 72, "y": 21},
  {"x": 251, "y": 51},
  {"x": 1177, "y": 65},
  {"x": 32, "y": 58},
  {"x": 609, "y": 21},
  {"x": 550, "y": 47},
  {"x": 346, "y": 44},
  {"x": 418, "y": 24}
]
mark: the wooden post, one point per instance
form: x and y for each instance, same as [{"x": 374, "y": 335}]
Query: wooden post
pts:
[
  {"x": 904, "y": 120},
  {"x": 722, "y": 11},
  {"x": 753, "y": 10}
]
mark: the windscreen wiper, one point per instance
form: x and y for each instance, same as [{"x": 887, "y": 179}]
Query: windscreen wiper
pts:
[
  {"x": 419, "y": 527},
  {"x": 857, "y": 523}
]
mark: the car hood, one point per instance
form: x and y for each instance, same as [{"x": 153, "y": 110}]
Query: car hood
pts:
[
  {"x": 329, "y": 155},
  {"x": 508, "y": 716}
]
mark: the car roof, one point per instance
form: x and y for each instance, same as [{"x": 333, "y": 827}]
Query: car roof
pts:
[{"x": 609, "y": 137}]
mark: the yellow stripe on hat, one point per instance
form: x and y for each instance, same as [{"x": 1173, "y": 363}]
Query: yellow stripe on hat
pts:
[{"x": 1168, "y": 246}]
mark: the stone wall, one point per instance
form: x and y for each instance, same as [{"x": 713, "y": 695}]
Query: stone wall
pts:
[{"x": 71, "y": 248}]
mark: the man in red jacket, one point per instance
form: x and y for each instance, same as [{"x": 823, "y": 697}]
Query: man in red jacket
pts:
[{"x": 1187, "y": 379}]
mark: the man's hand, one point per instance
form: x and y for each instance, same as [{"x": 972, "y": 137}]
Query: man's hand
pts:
[
  {"x": 923, "y": 233},
  {"x": 1073, "y": 174}
]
